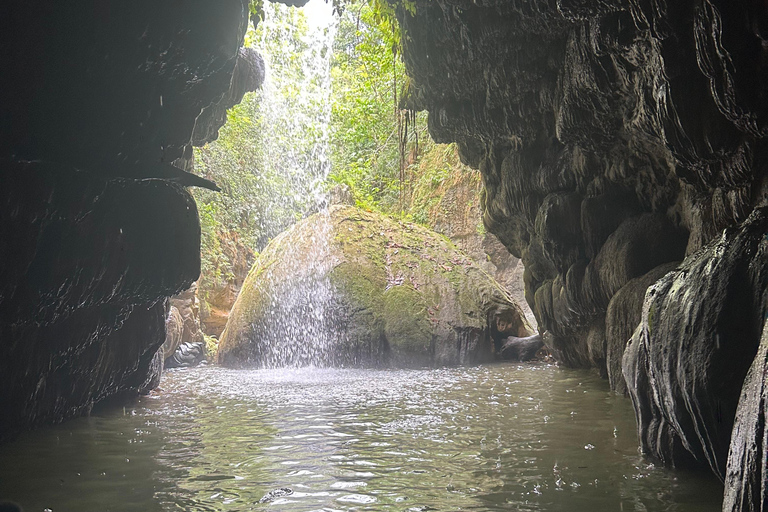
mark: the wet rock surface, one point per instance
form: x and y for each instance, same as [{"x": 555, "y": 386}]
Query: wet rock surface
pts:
[
  {"x": 746, "y": 487},
  {"x": 617, "y": 140},
  {"x": 391, "y": 294},
  {"x": 699, "y": 333},
  {"x": 612, "y": 138},
  {"x": 521, "y": 349},
  {"x": 87, "y": 264},
  {"x": 186, "y": 355},
  {"x": 97, "y": 228}
]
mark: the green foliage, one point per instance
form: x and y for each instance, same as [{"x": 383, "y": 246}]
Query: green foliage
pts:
[
  {"x": 367, "y": 77},
  {"x": 265, "y": 158},
  {"x": 211, "y": 346}
]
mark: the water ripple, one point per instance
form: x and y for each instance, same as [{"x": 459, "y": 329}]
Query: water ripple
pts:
[{"x": 502, "y": 437}]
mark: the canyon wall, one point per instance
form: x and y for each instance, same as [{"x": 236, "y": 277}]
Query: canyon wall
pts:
[
  {"x": 617, "y": 140},
  {"x": 97, "y": 228}
]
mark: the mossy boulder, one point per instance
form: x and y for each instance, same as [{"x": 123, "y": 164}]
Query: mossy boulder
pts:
[{"x": 348, "y": 287}]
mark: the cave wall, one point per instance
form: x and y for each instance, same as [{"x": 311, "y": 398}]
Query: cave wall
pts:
[
  {"x": 617, "y": 139},
  {"x": 97, "y": 228}
]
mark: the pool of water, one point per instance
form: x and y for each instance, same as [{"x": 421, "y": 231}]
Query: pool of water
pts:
[{"x": 500, "y": 437}]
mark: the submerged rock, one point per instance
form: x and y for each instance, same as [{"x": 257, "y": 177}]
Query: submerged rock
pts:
[
  {"x": 276, "y": 493},
  {"x": 350, "y": 287}
]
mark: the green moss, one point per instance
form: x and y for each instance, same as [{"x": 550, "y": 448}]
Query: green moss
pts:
[
  {"x": 211, "y": 346},
  {"x": 398, "y": 289},
  {"x": 361, "y": 285},
  {"x": 651, "y": 316},
  {"x": 406, "y": 323}
]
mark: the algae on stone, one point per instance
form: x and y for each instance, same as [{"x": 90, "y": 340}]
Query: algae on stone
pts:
[{"x": 348, "y": 287}]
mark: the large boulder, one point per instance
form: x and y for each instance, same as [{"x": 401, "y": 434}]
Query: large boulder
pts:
[
  {"x": 454, "y": 209},
  {"x": 349, "y": 287}
]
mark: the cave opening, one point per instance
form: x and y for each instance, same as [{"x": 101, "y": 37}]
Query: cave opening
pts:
[{"x": 355, "y": 217}]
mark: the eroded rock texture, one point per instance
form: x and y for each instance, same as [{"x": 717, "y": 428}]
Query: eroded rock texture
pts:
[
  {"x": 747, "y": 472},
  {"x": 613, "y": 137},
  {"x": 699, "y": 333},
  {"x": 96, "y": 227},
  {"x": 616, "y": 139}
]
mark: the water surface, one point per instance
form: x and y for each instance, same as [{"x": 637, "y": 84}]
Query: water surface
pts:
[{"x": 501, "y": 437}]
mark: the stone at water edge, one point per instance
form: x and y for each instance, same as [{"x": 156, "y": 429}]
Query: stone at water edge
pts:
[
  {"x": 746, "y": 479},
  {"x": 378, "y": 292},
  {"x": 687, "y": 360}
]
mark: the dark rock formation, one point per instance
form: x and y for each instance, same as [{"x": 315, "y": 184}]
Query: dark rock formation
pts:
[
  {"x": 87, "y": 263},
  {"x": 596, "y": 126},
  {"x": 186, "y": 355},
  {"x": 96, "y": 228},
  {"x": 377, "y": 293},
  {"x": 623, "y": 315},
  {"x": 247, "y": 76},
  {"x": 699, "y": 333},
  {"x": 746, "y": 485},
  {"x": 521, "y": 349},
  {"x": 616, "y": 139}
]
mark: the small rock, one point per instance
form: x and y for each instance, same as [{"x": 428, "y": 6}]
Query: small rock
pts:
[{"x": 276, "y": 493}]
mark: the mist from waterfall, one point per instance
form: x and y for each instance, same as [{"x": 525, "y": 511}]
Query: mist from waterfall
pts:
[{"x": 295, "y": 110}]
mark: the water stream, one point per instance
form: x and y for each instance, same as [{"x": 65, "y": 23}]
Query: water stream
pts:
[{"x": 500, "y": 437}]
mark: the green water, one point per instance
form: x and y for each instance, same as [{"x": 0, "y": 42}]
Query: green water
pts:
[{"x": 502, "y": 437}]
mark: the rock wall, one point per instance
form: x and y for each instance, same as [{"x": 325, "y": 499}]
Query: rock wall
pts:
[
  {"x": 218, "y": 293},
  {"x": 699, "y": 333},
  {"x": 616, "y": 139},
  {"x": 595, "y": 126},
  {"x": 96, "y": 227},
  {"x": 457, "y": 214}
]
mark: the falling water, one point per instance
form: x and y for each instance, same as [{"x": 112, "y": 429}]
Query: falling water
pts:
[
  {"x": 296, "y": 111},
  {"x": 295, "y": 103}
]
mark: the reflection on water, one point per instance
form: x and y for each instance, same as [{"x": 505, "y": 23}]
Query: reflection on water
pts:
[{"x": 503, "y": 437}]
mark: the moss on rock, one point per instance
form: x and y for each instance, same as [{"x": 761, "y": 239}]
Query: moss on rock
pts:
[{"x": 349, "y": 287}]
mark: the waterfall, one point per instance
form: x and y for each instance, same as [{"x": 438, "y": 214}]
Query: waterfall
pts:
[{"x": 295, "y": 110}]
